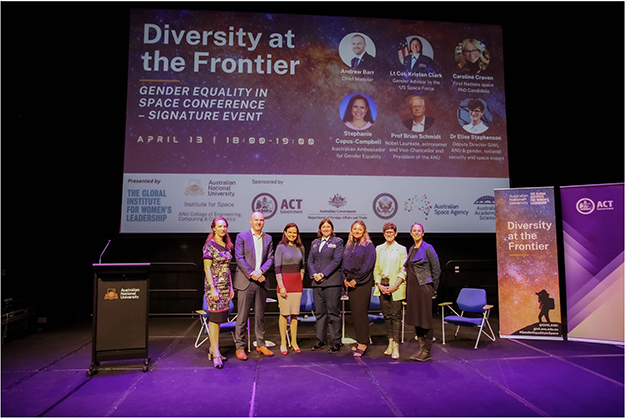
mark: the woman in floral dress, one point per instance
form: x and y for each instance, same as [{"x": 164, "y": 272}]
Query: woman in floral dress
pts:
[{"x": 218, "y": 288}]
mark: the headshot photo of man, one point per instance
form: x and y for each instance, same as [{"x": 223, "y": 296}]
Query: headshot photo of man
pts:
[
  {"x": 419, "y": 121},
  {"x": 358, "y": 51}
]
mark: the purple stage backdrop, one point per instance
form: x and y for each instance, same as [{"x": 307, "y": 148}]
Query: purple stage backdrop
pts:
[
  {"x": 592, "y": 218},
  {"x": 229, "y": 111}
]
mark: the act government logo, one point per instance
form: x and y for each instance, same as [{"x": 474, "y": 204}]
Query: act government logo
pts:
[
  {"x": 385, "y": 206},
  {"x": 266, "y": 204},
  {"x": 586, "y": 206}
]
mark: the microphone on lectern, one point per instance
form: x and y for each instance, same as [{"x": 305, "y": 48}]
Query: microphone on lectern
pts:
[{"x": 107, "y": 245}]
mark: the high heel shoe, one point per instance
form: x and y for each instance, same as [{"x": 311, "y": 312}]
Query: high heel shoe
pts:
[
  {"x": 283, "y": 351},
  {"x": 217, "y": 363},
  {"x": 358, "y": 352},
  {"x": 217, "y": 360}
]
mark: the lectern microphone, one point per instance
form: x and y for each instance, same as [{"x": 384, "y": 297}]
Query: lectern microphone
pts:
[{"x": 107, "y": 245}]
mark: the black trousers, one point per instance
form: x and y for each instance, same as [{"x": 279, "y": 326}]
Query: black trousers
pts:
[
  {"x": 391, "y": 309},
  {"x": 328, "y": 313},
  {"x": 359, "y": 300}
]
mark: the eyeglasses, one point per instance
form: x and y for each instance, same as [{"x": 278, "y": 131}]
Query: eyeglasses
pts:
[{"x": 471, "y": 51}]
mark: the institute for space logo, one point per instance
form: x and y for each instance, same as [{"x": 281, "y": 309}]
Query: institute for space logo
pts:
[
  {"x": 585, "y": 206},
  {"x": 385, "y": 206},
  {"x": 266, "y": 204}
]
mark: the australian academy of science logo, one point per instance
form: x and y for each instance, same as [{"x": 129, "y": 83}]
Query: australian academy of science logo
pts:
[
  {"x": 485, "y": 208},
  {"x": 385, "y": 206},
  {"x": 266, "y": 204}
]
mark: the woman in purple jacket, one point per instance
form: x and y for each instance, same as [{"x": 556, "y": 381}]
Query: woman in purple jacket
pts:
[{"x": 358, "y": 262}]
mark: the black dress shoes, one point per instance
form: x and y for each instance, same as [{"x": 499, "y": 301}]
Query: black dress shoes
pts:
[
  {"x": 335, "y": 348},
  {"x": 318, "y": 346}
]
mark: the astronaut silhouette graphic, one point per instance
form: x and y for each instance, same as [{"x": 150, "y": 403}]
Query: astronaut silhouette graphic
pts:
[{"x": 545, "y": 304}]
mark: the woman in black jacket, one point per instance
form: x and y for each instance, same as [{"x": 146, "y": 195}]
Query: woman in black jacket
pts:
[{"x": 422, "y": 277}]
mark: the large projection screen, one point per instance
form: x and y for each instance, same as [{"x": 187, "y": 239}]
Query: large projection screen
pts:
[{"x": 232, "y": 112}]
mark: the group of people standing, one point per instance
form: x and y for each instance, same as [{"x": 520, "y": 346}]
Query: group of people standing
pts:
[{"x": 335, "y": 268}]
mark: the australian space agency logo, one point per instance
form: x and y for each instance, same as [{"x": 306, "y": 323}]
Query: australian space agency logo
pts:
[
  {"x": 265, "y": 203},
  {"x": 385, "y": 206}
]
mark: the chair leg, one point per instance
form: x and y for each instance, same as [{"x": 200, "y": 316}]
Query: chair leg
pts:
[
  {"x": 443, "y": 323},
  {"x": 403, "y": 324},
  {"x": 204, "y": 326}
]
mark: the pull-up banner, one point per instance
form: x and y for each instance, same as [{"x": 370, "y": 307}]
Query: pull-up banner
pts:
[
  {"x": 592, "y": 218},
  {"x": 527, "y": 264}
]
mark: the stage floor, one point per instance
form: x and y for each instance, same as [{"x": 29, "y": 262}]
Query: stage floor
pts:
[{"x": 44, "y": 374}]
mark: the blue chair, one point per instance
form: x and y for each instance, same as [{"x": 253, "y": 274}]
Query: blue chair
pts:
[
  {"x": 374, "y": 305},
  {"x": 307, "y": 307},
  {"x": 204, "y": 319},
  {"x": 469, "y": 301}
]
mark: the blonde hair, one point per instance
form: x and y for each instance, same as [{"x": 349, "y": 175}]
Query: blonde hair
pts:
[{"x": 365, "y": 237}]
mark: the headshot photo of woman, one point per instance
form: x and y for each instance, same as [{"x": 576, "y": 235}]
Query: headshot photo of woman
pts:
[
  {"x": 471, "y": 56},
  {"x": 359, "y": 113},
  {"x": 474, "y": 116},
  {"x": 418, "y": 58}
]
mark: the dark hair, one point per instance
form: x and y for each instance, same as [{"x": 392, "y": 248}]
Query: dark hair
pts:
[
  {"x": 389, "y": 225},
  {"x": 474, "y": 104},
  {"x": 325, "y": 221},
  {"x": 415, "y": 39},
  {"x": 348, "y": 110},
  {"x": 415, "y": 224},
  {"x": 298, "y": 240},
  {"x": 211, "y": 236}
]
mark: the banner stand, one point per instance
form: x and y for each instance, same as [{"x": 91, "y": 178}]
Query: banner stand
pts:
[{"x": 527, "y": 264}]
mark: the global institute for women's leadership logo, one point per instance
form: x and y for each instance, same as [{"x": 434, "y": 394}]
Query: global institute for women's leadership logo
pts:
[
  {"x": 265, "y": 203},
  {"x": 585, "y": 206},
  {"x": 385, "y": 206}
]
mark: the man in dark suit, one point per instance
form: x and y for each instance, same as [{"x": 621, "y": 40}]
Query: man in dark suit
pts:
[
  {"x": 324, "y": 262},
  {"x": 253, "y": 252},
  {"x": 419, "y": 122},
  {"x": 362, "y": 59}
]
